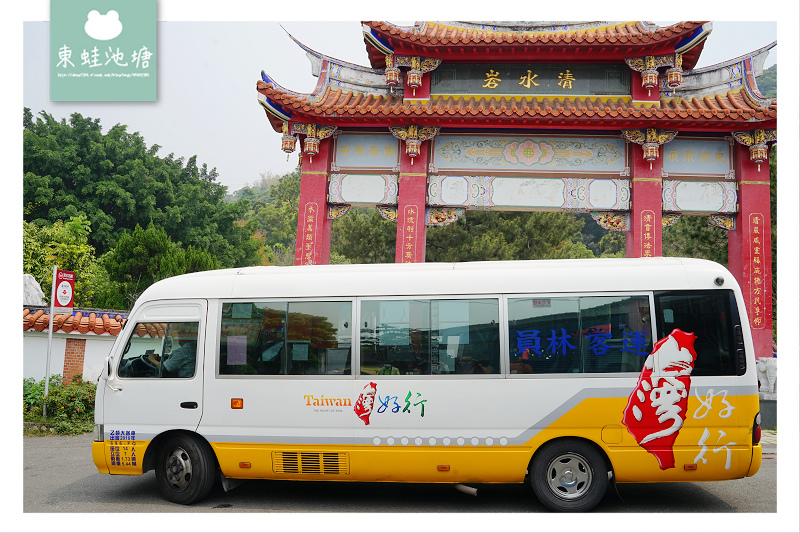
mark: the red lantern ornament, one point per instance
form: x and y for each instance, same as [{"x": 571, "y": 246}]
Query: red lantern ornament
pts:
[
  {"x": 414, "y": 78},
  {"x": 649, "y": 79},
  {"x": 413, "y": 148},
  {"x": 758, "y": 154},
  {"x": 392, "y": 76},
  {"x": 650, "y": 152},
  {"x": 287, "y": 141},
  {"x": 311, "y": 146},
  {"x": 674, "y": 77}
]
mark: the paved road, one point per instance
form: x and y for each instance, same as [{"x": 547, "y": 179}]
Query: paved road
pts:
[{"x": 59, "y": 476}]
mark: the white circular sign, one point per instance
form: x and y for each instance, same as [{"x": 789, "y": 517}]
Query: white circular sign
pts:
[{"x": 64, "y": 293}]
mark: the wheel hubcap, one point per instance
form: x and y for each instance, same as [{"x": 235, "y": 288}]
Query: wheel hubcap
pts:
[
  {"x": 178, "y": 469},
  {"x": 569, "y": 476}
]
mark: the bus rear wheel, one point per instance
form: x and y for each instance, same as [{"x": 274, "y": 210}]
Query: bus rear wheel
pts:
[
  {"x": 569, "y": 475},
  {"x": 184, "y": 469}
]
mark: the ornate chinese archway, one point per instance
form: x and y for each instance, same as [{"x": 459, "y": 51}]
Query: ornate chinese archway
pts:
[{"x": 606, "y": 118}]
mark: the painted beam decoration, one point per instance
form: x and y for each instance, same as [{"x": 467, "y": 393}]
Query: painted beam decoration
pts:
[
  {"x": 531, "y": 79},
  {"x": 529, "y": 154},
  {"x": 518, "y": 193}
]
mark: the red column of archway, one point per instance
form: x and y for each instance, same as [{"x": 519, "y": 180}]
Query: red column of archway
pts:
[
  {"x": 412, "y": 194},
  {"x": 644, "y": 237},
  {"x": 313, "y": 226},
  {"x": 750, "y": 247}
]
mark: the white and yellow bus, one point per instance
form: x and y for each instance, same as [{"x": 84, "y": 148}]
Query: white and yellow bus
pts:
[{"x": 570, "y": 375}]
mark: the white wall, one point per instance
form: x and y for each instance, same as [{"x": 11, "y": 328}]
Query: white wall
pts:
[{"x": 34, "y": 354}]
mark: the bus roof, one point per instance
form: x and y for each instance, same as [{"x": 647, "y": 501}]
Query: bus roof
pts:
[{"x": 485, "y": 277}]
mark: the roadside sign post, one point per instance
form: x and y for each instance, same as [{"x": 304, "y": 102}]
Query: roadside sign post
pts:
[{"x": 62, "y": 295}]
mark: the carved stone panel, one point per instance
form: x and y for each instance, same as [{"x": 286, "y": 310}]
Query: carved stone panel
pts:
[{"x": 699, "y": 196}]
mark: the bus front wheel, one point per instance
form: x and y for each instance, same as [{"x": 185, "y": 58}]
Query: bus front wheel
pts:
[
  {"x": 184, "y": 469},
  {"x": 569, "y": 475}
]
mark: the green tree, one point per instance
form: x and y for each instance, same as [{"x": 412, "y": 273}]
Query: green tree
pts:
[
  {"x": 501, "y": 235},
  {"x": 272, "y": 214},
  {"x": 117, "y": 182},
  {"x": 145, "y": 256},
  {"x": 695, "y": 236},
  {"x": 363, "y": 236},
  {"x": 768, "y": 82},
  {"x": 65, "y": 244}
]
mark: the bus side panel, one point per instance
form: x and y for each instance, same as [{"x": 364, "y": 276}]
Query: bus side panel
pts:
[{"x": 463, "y": 435}]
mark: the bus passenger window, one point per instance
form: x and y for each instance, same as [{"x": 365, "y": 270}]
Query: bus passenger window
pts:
[
  {"x": 285, "y": 338},
  {"x": 570, "y": 335},
  {"x": 160, "y": 350},
  {"x": 711, "y": 317},
  {"x": 616, "y": 333},
  {"x": 543, "y": 335},
  {"x": 430, "y": 337}
]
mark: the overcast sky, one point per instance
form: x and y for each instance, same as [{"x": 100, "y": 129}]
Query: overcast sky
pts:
[{"x": 207, "y": 74}]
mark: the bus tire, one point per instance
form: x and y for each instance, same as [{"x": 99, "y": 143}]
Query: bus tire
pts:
[
  {"x": 184, "y": 468},
  {"x": 569, "y": 475}
]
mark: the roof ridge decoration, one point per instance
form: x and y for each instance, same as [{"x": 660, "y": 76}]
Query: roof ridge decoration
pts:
[{"x": 528, "y": 27}]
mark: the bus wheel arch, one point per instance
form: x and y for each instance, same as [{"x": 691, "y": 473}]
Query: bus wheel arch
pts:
[
  {"x": 569, "y": 474},
  {"x": 185, "y": 466}
]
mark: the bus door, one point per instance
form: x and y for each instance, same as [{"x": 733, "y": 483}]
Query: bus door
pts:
[{"x": 156, "y": 383}]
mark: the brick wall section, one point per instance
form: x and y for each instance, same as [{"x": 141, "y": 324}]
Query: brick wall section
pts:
[{"x": 73, "y": 359}]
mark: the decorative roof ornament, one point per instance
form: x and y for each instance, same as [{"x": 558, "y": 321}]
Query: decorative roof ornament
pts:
[
  {"x": 674, "y": 75},
  {"x": 650, "y": 140},
  {"x": 314, "y": 134},
  {"x": 392, "y": 72},
  {"x": 417, "y": 67},
  {"x": 649, "y": 65},
  {"x": 413, "y": 136},
  {"x": 757, "y": 142}
]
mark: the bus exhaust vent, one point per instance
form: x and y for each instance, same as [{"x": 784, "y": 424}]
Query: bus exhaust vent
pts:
[{"x": 310, "y": 463}]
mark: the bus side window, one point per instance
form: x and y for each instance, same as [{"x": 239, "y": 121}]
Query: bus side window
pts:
[
  {"x": 285, "y": 338},
  {"x": 616, "y": 333},
  {"x": 711, "y": 317},
  {"x": 570, "y": 335},
  {"x": 430, "y": 337},
  {"x": 544, "y": 335}
]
